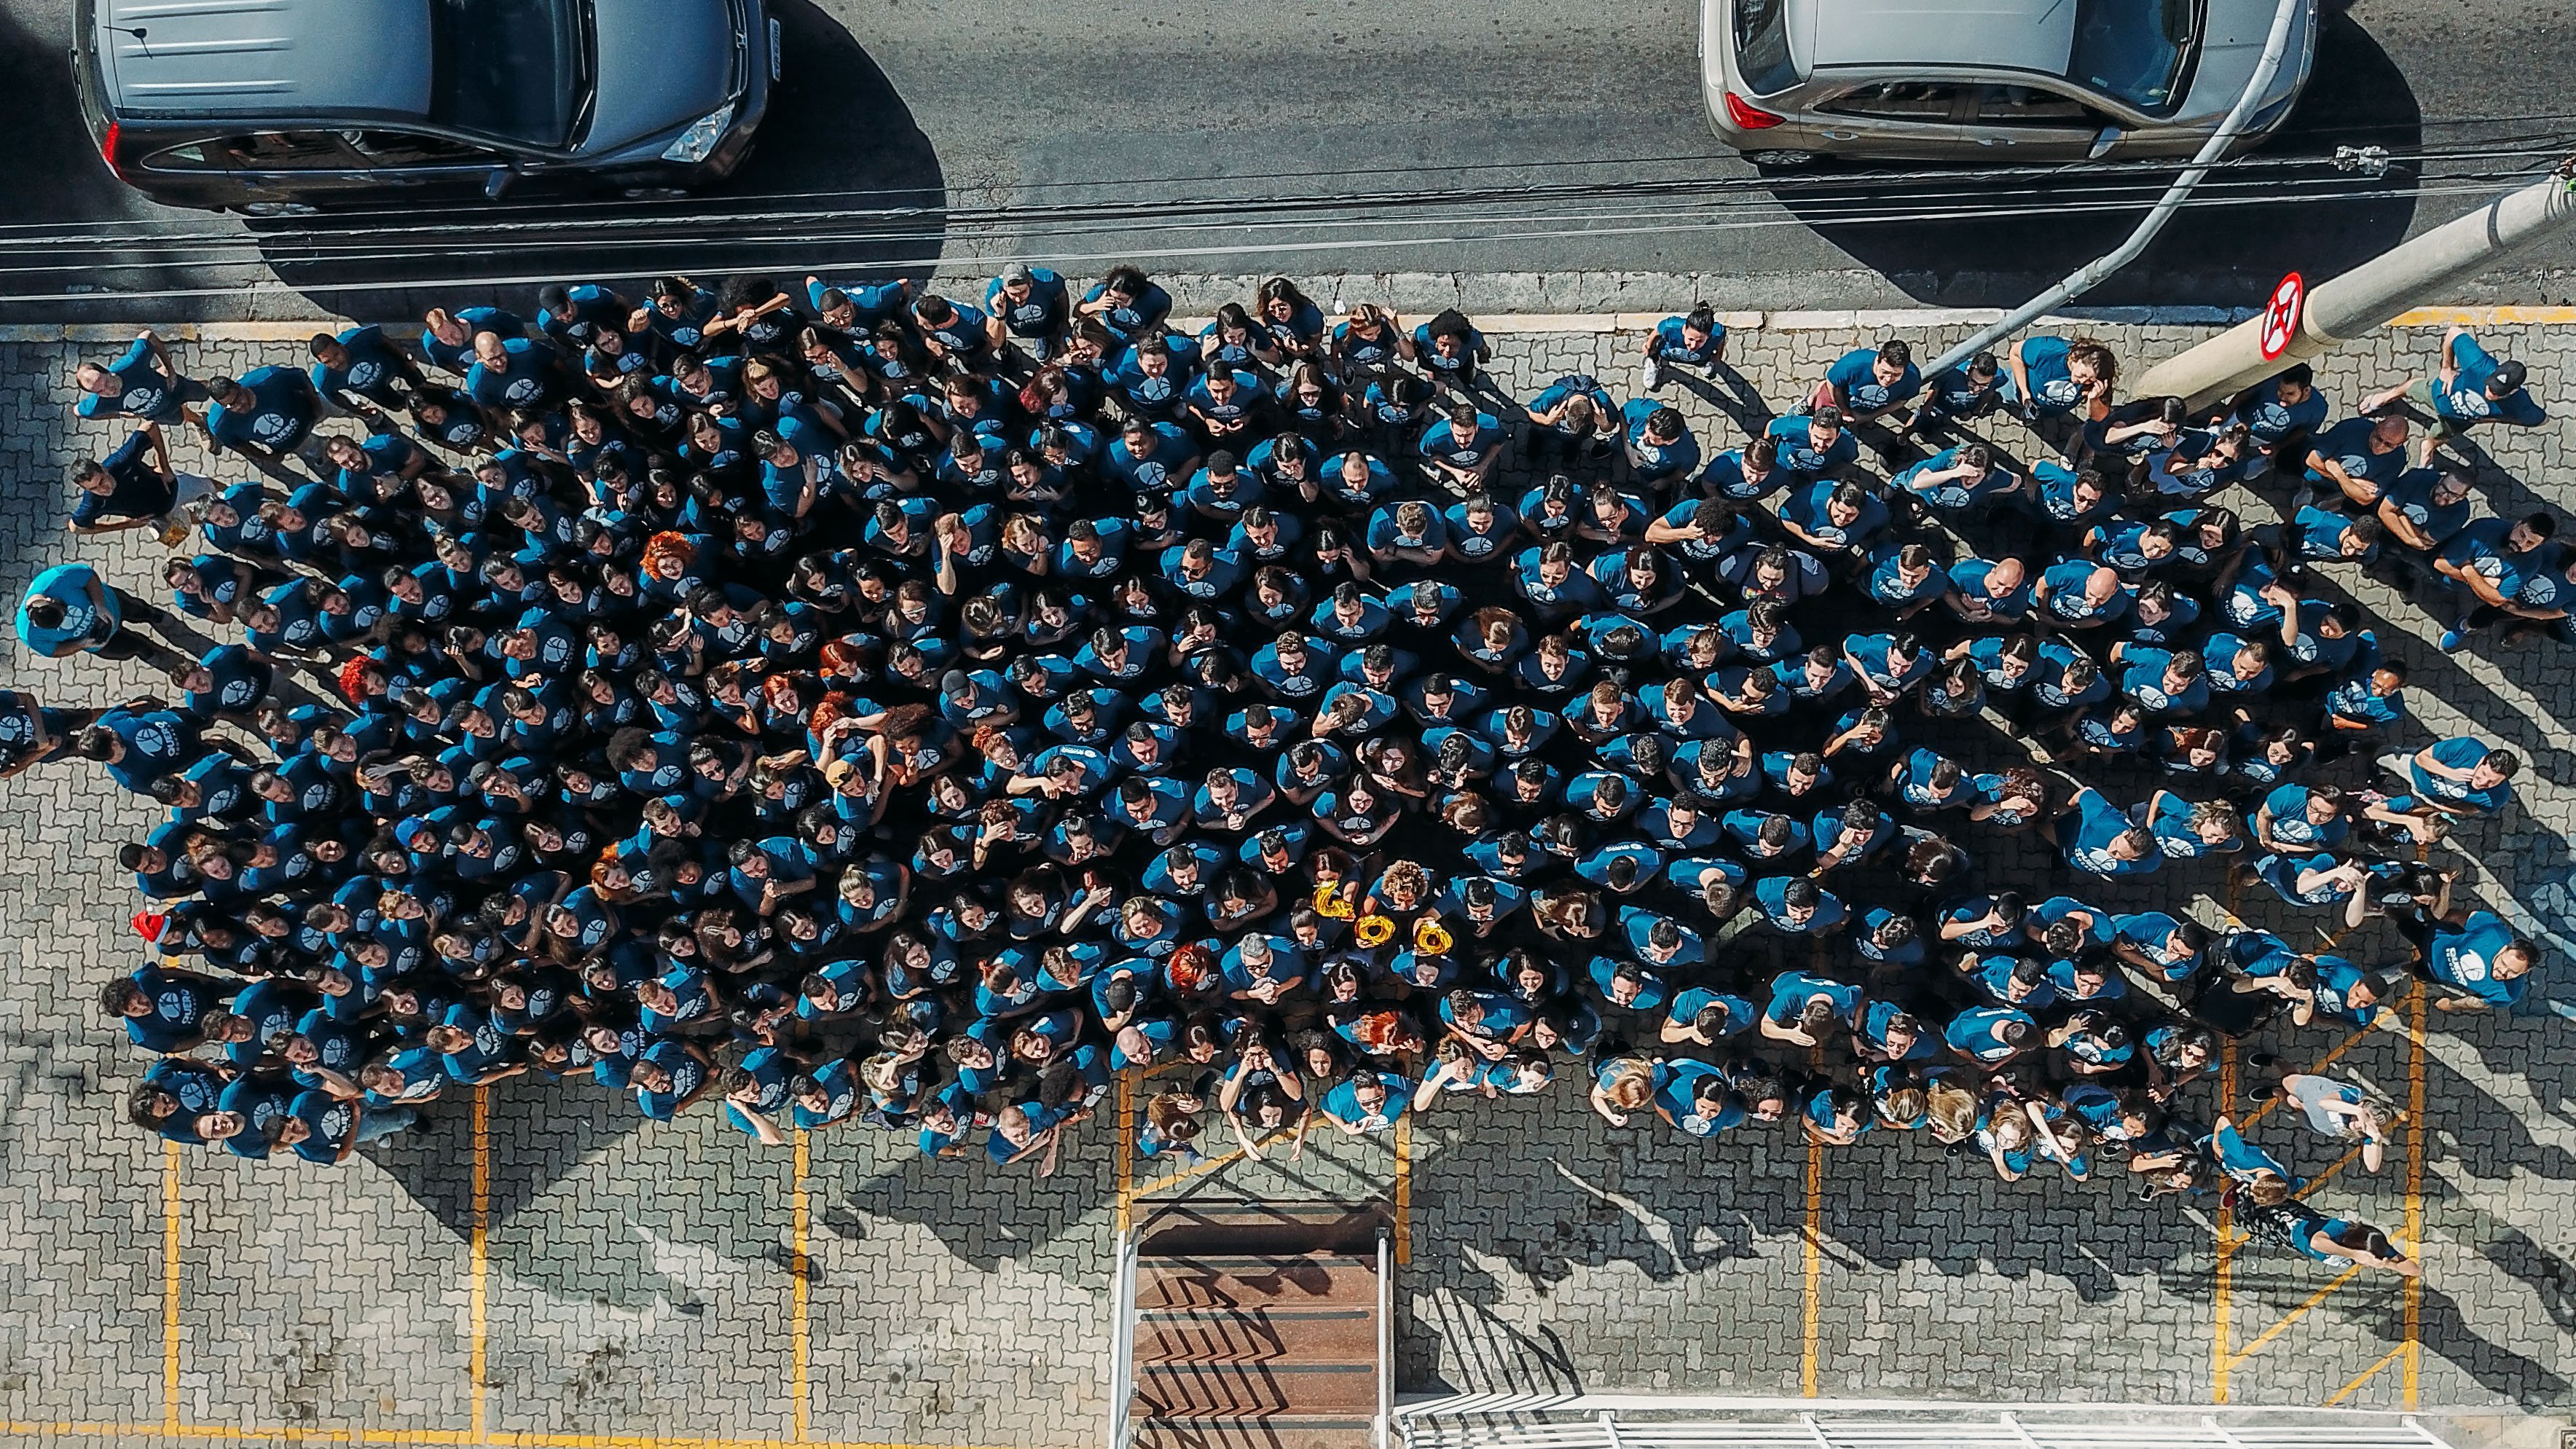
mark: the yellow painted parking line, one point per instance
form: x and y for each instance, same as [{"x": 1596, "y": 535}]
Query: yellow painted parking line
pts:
[
  {"x": 2219, "y": 1305},
  {"x": 2293, "y": 1316},
  {"x": 1201, "y": 1168},
  {"x": 311, "y": 1434},
  {"x": 2363, "y": 1377},
  {"x": 479, "y": 1254},
  {"x": 2416, "y": 1128},
  {"x": 1403, "y": 1188},
  {"x": 2338, "y": 1165},
  {"x": 800, "y": 1340},
  {"x": 169, "y": 1284},
  {"x": 1815, "y": 1254},
  {"x": 1126, "y": 1149},
  {"x": 326, "y": 1434}
]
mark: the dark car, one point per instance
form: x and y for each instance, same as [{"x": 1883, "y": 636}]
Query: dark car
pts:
[{"x": 279, "y": 106}]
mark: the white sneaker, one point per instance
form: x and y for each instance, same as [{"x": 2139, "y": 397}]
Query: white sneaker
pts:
[{"x": 1654, "y": 374}]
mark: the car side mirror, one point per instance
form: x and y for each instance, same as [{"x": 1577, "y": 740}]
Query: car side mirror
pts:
[
  {"x": 2108, "y": 137},
  {"x": 497, "y": 181}
]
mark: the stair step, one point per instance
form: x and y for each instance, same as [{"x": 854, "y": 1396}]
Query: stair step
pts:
[
  {"x": 1255, "y": 1335},
  {"x": 1254, "y": 1431},
  {"x": 1313, "y": 1280},
  {"x": 1197, "y": 1390},
  {"x": 1265, "y": 1227}
]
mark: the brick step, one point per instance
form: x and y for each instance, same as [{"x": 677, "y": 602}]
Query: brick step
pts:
[
  {"x": 1272, "y": 1334},
  {"x": 1196, "y": 1390},
  {"x": 1254, "y": 1431},
  {"x": 1301, "y": 1280}
]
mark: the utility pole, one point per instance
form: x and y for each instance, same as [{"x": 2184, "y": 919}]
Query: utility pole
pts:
[
  {"x": 2276, "y": 47},
  {"x": 2373, "y": 294}
]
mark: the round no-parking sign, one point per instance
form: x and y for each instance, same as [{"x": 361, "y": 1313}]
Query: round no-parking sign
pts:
[{"x": 2281, "y": 316}]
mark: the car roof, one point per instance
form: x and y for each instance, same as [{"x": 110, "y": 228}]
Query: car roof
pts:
[
  {"x": 265, "y": 58},
  {"x": 2031, "y": 35}
]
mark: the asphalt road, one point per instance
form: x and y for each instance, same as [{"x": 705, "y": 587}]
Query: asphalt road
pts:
[{"x": 1340, "y": 136}]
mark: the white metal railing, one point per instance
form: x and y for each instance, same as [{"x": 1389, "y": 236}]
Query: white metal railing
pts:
[
  {"x": 1122, "y": 1339},
  {"x": 1504, "y": 1421},
  {"x": 1385, "y": 1424}
]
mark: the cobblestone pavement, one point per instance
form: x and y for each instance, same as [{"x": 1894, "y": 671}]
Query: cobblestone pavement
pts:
[{"x": 633, "y": 1279}]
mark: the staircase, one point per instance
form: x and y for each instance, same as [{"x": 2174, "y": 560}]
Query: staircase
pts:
[{"x": 1257, "y": 1326}]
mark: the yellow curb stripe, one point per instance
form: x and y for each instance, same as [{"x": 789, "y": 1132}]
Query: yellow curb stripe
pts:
[
  {"x": 2219, "y": 1304},
  {"x": 800, "y": 1342},
  {"x": 2415, "y": 1129},
  {"x": 169, "y": 1285},
  {"x": 479, "y": 1258},
  {"x": 2486, "y": 317},
  {"x": 1403, "y": 1188}
]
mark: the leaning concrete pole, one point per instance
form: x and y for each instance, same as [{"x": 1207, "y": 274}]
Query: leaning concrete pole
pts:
[
  {"x": 2373, "y": 294},
  {"x": 2276, "y": 48}
]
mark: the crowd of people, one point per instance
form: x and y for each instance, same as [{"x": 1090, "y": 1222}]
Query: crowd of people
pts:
[{"x": 856, "y": 703}]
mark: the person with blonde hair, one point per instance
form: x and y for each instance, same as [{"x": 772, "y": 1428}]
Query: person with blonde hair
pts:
[{"x": 1622, "y": 1085}]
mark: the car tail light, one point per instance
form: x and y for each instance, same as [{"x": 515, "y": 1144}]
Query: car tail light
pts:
[
  {"x": 107, "y": 148},
  {"x": 1749, "y": 116}
]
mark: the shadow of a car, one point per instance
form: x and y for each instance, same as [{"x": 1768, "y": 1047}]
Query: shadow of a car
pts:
[{"x": 1984, "y": 242}]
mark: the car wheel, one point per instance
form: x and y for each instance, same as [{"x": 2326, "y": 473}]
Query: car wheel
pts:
[
  {"x": 1781, "y": 158},
  {"x": 279, "y": 208}
]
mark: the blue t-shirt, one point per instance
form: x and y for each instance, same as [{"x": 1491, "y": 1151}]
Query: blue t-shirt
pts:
[
  {"x": 85, "y": 624},
  {"x": 1854, "y": 375}
]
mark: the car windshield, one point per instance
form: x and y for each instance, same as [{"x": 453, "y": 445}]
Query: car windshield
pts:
[
  {"x": 2132, "y": 50},
  {"x": 509, "y": 68},
  {"x": 1762, "y": 47}
]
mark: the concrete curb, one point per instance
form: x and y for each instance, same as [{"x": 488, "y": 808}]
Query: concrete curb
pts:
[{"x": 1894, "y": 319}]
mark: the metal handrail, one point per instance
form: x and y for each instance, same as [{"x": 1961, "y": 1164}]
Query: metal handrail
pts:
[
  {"x": 1385, "y": 1341},
  {"x": 1474, "y": 1421},
  {"x": 1122, "y": 1339}
]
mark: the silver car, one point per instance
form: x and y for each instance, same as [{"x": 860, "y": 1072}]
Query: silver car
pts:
[{"x": 1951, "y": 80}]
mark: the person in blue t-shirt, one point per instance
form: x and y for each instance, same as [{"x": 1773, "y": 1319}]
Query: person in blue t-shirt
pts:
[
  {"x": 1958, "y": 482},
  {"x": 2461, "y": 776},
  {"x": 2483, "y": 961},
  {"x": 1870, "y": 383},
  {"x": 1659, "y": 445},
  {"x": 142, "y": 383},
  {"x": 1029, "y": 309},
  {"x": 2469, "y": 389},
  {"x": 358, "y": 367},
  {"x": 1815, "y": 445},
  {"x": 1126, "y": 303},
  {"x": 2282, "y": 411},
  {"x": 2358, "y": 457},
  {"x": 70, "y": 610},
  {"x": 134, "y": 487},
  {"x": 2487, "y": 563},
  {"x": 1695, "y": 339},
  {"x": 265, "y": 416},
  {"x": 1367, "y": 1101},
  {"x": 1961, "y": 394},
  {"x": 2060, "y": 377}
]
